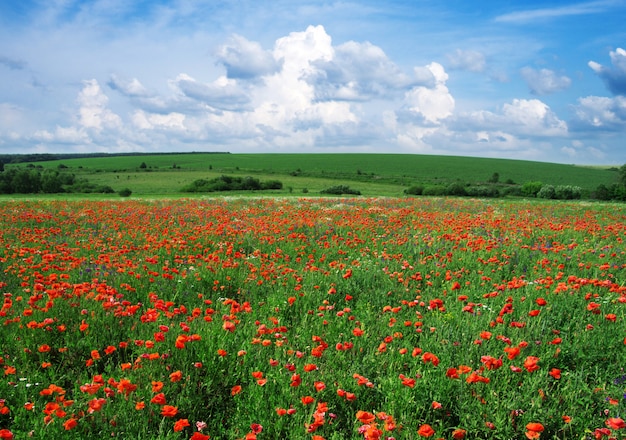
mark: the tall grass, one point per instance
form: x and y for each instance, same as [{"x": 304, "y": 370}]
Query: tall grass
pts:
[{"x": 312, "y": 317}]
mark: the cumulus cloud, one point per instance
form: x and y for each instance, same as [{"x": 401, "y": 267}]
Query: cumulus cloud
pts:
[
  {"x": 361, "y": 71},
  {"x": 222, "y": 94},
  {"x": 431, "y": 103},
  {"x": 544, "y": 81},
  {"x": 246, "y": 59},
  {"x": 471, "y": 60},
  {"x": 600, "y": 113},
  {"x": 132, "y": 88},
  {"x": 615, "y": 76},
  {"x": 520, "y": 117},
  {"x": 93, "y": 112}
]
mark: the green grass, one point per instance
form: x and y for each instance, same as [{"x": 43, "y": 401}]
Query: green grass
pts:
[
  {"x": 372, "y": 174},
  {"x": 459, "y": 279}
]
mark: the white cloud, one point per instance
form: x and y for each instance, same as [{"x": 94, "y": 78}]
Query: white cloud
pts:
[
  {"x": 432, "y": 103},
  {"x": 147, "y": 121},
  {"x": 361, "y": 71},
  {"x": 584, "y": 8},
  {"x": 222, "y": 94},
  {"x": 471, "y": 60},
  {"x": 614, "y": 77},
  {"x": 529, "y": 118},
  {"x": 93, "y": 111},
  {"x": 600, "y": 113},
  {"x": 130, "y": 88},
  {"x": 246, "y": 59},
  {"x": 544, "y": 81}
]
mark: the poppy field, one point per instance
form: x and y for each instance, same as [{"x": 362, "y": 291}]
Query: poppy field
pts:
[{"x": 312, "y": 319}]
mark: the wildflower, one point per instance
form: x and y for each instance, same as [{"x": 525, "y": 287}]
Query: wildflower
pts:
[
  {"x": 181, "y": 424},
  {"x": 159, "y": 399},
  {"x": 530, "y": 364},
  {"x": 555, "y": 373},
  {"x": 199, "y": 436},
  {"x": 169, "y": 411},
  {"x": 425, "y": 431},
  {"x": 365, "y": 417},
  {"x": 534, "y": 430},
  {"x": 615, "y": 423},
  {"x": 235, "y": 390},
  {"x": 70, "y": 424},
  {"x": 458, "y": 434}
]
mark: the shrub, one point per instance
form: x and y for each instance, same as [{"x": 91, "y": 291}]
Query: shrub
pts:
[
  {"x": 602, "y": 193},
  {"x": 456, "y": 189},
  {"x": 230, "y": 183},
  {"x": 340, "y": 189},
  {"x": 482, "y": 191},
  {"x": 434, "y": 191},
  {"x": 415, "y": 190},
  {"x": 530, "y": 189},
  {"x": 546, "y": 192},
  {"x": 568, "y": 192},
  {"x": 511, "y": 191},
  {"x": 273, "y": 184},
  {"x": 125, "y": 192}
]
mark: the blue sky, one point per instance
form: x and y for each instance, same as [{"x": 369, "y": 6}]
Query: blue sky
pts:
[{"x": 536, "y": 80}]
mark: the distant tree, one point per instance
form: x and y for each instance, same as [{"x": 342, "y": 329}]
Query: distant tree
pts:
[
  {"x": 51, "y": 183},
  {"x": 530, "y": 189},
  {"x": 1, "y": 166},
  {"x": 143, "y": 166},
  {"x": 622, "y": 174},
  {"x": 602, "y": 192},
  {"x": 495, "y": 178}
]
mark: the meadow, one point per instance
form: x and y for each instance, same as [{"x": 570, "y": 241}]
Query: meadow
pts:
[
  {"x": 312, "y": 318},
  {"x": 385, "y": 175}
]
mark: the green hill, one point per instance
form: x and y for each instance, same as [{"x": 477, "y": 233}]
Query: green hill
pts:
[{"x": 372, "y": 174}]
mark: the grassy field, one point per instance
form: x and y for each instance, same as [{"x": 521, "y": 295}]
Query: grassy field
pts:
[
  {"x": 372, "y": 174},
  {"x": 312, "y": 319}
]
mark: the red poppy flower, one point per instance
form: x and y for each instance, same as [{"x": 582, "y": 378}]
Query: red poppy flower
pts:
[{"x": 426, "y": 431}]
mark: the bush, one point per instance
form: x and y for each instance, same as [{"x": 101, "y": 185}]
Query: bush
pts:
[
  {"x": 434, "y": 191},
  {"x": 511, "y": 191},
  {"x": 547, "y": 192},
  {"x": 482, "y": 191},
  {"x": 456, "y": 189},
  {"x": 230, "y": 183},
  {"x": 125, "y": 192},
  {"x": 273, "y": 184},
  {"x": 568, "y": 192},
  {"x": 530, "y": 189},
  {"x": 415, "y": 190},
  {"x": 340, "y": 189}
]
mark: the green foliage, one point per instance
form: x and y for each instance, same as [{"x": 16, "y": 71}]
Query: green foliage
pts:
[
  {"x": 456, "y": 189},
  {"x": 567, "y": 192},
  {"x": 434, "y": 191},
  {"x": 125, "y": 192},
  {"x": 546, "y": 192},
  {"x": 530, "y": 189},
  {"x": 495, "y": 178},
  {"x": 393, "y": 173},
  {"x": 340, "y": 190},
  {"x": 231, "y": 183},
  {"x": 415, "y": 190},
  {"x": 86, "y": 187},
  {"x": 484, "y": 191}
]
